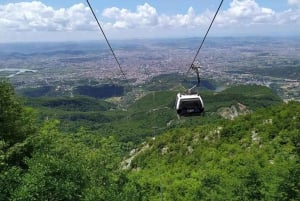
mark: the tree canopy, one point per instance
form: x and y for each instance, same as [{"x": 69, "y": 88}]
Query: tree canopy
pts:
[{"x": 253, "y": 157}]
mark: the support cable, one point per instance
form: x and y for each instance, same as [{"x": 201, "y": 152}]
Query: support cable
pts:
[
  {"x": 192, "y": 65},
  {"x": 111, "y": 49}
]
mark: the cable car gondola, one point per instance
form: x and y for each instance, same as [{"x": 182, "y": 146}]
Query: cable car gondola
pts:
[{"x": 189, "y": 104}]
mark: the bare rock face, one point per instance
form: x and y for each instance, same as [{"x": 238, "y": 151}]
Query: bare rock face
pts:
[{"x": 233, "y": 111}]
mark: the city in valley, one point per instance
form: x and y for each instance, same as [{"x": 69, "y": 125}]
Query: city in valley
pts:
[{"x": 272, "y": 62}]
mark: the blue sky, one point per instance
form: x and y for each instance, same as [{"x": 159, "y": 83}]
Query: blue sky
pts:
[
  {"x": 53, "y": 20},
  {"x": 165, "y": 6}
]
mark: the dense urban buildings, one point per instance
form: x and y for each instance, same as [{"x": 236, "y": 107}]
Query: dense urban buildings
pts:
[{"x": 272, "y": 62}]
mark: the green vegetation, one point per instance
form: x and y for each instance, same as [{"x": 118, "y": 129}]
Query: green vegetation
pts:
[
  {"x": 38, "y": 92},
  {"x": 16, "y": 127},
  {"x": 252, "y": 96},
  {"x": 74, "y": 112},
  {"x": 105, "y": 91},
  {"x": 97, "y": 91},
  {"x": 250, "y": 158},
  {"x": 82, "y": 104},
  {"x": 80, "y": 148},
  {"x": 290, "y": 71},
  {"x": 46, "y": 164},
  {"x": 148, "y": 116}
]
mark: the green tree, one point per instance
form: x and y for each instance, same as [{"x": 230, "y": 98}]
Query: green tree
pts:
[
  {"x": 16, "y": 122},
  {"x": 16, "y": 125},
  {"x": 73, "y": 167},
  {"x": 289, "y": 188}
]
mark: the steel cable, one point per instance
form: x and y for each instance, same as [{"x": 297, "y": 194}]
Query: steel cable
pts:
[
  {"x": 111, "y": 49},
  {"x": 205, "y": 36}
]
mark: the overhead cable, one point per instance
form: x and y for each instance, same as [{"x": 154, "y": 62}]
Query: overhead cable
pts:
[
  {"x": 111, "y": 49},
  {"x": 205, "y": 36}
]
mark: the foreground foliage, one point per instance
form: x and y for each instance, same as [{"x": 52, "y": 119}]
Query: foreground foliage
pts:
[{"x": 254, "y": 157}]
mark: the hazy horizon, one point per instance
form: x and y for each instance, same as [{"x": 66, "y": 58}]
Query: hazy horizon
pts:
[{"x": 100, "y": 40}]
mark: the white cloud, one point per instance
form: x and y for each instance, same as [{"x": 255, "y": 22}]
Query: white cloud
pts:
[
  {"x": 241, "y": 13},
  {"x": 36, "y": 16},
  {"x": 290, "y": 16},
  {"x": 189, "y": 20},
  {"x": 145, "y": 20},
  {"x": 247, "y": 12},
  {"x": 145, "y": 15},
  {"x": 294, "y": 2}
]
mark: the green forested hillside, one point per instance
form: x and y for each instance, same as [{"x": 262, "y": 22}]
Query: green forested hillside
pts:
[
  {"x": 255, "y": 157},
  {"x": 40, "y": 162},
  {"x": 86, "y": 149},
  {"x": 146, "y": 116},
  {"x": 86, "y": 88},
  {"x": 79, "y": 103}
]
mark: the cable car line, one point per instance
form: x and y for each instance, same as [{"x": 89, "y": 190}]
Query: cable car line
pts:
[
  {"x": 191, "y": 103},
  {"x": 192, "y": 65},
  {"x": 111, "y": 49}
]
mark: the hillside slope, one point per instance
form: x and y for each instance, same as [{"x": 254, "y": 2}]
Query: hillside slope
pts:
[
  {"x": 254, "y": 157},
  {"x": 151, "y": 114}
]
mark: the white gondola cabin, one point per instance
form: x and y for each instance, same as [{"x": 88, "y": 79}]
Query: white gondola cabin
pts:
[{"x": 189, "y": 104}]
